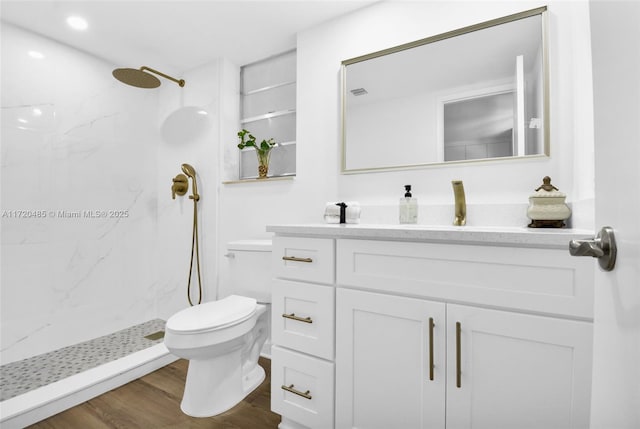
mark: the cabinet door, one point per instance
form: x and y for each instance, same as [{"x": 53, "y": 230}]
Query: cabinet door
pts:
[
  {"x": 385, "y": 350},
  {"x": 516, "y": 370}
]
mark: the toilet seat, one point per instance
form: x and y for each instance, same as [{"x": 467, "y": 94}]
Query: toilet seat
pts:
[{"x": 211, "y": 316}]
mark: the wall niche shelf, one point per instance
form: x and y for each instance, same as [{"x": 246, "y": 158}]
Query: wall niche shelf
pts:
[{"x": 268, "y": 179}]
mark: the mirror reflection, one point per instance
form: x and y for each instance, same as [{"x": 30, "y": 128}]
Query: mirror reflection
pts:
[{"x": 471, "y": 94}]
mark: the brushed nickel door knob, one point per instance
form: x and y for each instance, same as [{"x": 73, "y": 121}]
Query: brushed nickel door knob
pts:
[{"x": 603, "y": 247}]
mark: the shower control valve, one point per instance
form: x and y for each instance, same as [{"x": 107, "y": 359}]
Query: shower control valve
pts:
[{"x": 180, "y": 185}]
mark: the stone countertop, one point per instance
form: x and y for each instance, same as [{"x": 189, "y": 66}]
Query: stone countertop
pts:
[{"x": 490, "y": 236}]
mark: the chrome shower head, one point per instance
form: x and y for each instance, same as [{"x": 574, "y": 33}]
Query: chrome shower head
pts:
[{"x": 141, "y": 79}]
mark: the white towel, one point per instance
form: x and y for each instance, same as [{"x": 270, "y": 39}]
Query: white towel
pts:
[
  {"x": 352, "y": 212},
  {"x": 334, "y": 209}
]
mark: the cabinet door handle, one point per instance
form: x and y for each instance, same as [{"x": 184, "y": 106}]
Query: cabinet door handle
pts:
[
  {"x": 431, "y": 325},
  {"x": 293, "y": 316},
  {"x": 290, "y": 388},
  {"x": 295, "y": 259},
  {"x": 458, "y": 355}
]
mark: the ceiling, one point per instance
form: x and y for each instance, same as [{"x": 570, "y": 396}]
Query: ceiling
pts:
[{"x": 177, "y": 35}]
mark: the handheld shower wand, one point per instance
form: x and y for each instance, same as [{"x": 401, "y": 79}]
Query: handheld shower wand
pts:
[
  {"x": 191, "y": 172},
  {"x": 182, "y": 185}
]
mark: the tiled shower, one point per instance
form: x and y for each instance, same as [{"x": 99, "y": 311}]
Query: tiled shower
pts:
[{"x": 79, "y": 214}]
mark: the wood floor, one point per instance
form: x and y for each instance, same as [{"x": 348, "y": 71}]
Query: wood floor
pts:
[{"x": 153, "y": 402}]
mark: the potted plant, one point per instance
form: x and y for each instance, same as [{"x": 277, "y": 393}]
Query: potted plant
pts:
[{"x": 263, "y": 150}]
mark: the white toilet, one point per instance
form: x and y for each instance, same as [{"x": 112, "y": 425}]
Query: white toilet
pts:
[{"x": 223, "y": 339}]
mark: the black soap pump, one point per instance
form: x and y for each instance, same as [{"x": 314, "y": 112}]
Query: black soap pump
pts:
[{"x": 408, "y": 207}]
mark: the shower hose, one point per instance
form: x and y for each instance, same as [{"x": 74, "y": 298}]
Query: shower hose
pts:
[{"x": 194, "y": 249}]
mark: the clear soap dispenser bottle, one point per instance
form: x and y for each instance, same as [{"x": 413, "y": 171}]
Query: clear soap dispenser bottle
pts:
[{"x": 408, "y": 207}]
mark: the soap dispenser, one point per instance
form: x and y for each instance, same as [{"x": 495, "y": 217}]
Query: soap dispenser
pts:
[{"x": 408, "y": 207}]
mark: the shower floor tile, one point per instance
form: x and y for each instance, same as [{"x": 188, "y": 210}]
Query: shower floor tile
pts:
[{"x": 22, "y": 376}]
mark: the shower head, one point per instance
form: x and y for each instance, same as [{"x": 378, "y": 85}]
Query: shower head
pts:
[
  {"x": 189, "y": 170},
  {"x": 141, "y": 79}
]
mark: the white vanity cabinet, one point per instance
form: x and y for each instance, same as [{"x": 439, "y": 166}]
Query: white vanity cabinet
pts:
[
  {"x": 406, "y": 362},
  {"x": 439, "y": 330},
  {"x": 303, "y": 332},
  {"x": 492, "y": 367}
]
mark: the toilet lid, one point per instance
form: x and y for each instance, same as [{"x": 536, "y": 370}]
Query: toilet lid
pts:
[{"x": 212, "y": 315}]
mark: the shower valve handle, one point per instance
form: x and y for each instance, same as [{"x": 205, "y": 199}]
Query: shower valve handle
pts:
[{"x": 180, "y": 185}]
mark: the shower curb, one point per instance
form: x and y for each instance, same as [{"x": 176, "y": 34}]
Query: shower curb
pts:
[{"x": 38, "y": 404}]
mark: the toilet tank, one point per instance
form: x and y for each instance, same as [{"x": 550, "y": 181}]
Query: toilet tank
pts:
[{"x": 250, "y": 268}]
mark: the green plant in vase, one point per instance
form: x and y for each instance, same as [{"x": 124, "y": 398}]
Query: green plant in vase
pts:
[{"x": 263, "y": 150}]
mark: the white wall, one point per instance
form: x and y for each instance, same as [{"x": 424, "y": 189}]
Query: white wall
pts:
[
  {"x": 89, "y": 146},
  {"x": 188, "y": 137},
  {"x": 497, "y": 192},
  {"x": 504, "y": 182}
]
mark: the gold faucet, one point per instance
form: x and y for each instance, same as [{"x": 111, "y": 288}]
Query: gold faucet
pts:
[{"x": 460, "y": 203}]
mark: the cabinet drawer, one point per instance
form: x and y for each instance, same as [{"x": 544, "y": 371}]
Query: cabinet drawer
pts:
[
  {"x": 542, "y": 280},
  {"x": 308, "y": 259},
  {"x": 303, "y": 317},
  {"x": 302, "y": 388}
]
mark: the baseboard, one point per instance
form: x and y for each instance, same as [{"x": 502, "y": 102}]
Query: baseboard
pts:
[
  {"x": 38, "y": 404},
  {"x": 290, "y": 424}
]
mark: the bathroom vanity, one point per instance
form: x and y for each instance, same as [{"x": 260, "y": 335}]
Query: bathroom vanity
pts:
[{"x": 430, "y": 327}]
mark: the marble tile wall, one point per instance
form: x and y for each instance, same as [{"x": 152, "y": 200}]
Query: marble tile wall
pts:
[{"x": 78, "y": 202}]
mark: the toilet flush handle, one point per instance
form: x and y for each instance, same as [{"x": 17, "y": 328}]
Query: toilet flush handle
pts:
[{"x": 230, "y": 255}]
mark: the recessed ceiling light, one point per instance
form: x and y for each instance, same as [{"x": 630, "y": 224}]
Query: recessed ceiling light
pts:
[{"x": 77, "y": 23}]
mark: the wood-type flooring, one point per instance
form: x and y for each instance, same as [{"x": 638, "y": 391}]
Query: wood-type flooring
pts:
[{"x": 153, "y": 402}]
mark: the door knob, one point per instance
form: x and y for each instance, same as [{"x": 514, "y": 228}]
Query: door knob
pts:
[{"x": 602, "y": 247}]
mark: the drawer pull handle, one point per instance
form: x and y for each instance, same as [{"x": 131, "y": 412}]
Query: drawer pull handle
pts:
[
  {"x": 458, "y": 355},
  {"x": 293, "y": 316},
  {"x": 295, "y": 259},
  {"x": 297, "y": 392},
  {"x": 431, "y": 325}
]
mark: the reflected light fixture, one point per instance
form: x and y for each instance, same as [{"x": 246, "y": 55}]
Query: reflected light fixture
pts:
[
  {"x": 77, "y": 23},
  {"x": 35, "y": 54}
]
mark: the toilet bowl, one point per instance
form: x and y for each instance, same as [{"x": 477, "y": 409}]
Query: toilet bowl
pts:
[{"x": 223, "y": 339}]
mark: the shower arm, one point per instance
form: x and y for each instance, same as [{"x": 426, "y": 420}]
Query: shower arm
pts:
[{"x": 178, "y": 81}]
